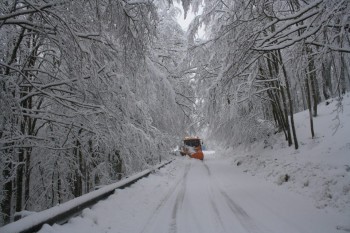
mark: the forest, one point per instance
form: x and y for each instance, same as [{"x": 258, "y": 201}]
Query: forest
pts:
[{"x": 93, "y": 91}]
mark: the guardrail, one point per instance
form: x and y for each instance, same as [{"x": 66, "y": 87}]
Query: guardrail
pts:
[{"x": 62, "y": 213}]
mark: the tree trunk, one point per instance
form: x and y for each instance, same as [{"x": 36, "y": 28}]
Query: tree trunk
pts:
[
  {"x": 284, "y": 102},
  {"x": 275, "y": 96},
  {"x": 77, "y": 179},
  {"x": 118, "y": 165},
  {"x": 308, "y": 98},
  {"x": 296, "y": 145},
  {"x": 59, "y": 198},
  {"x": 327, "y": 82},
  {"x": 297, "y": 98},
  {"x": 9, "y": 185},
  {"x": 27, "y": 178},
  {"x": 313, "y": 86},
  {"x": 342, "y": 75},
  {"x": 19, "y": 180},
  {"x": 285, "y": 109},
  {"x": 6, "y": 202},
  {"x": 326, "y": 73},
  {"x": 302, "y": 88}
]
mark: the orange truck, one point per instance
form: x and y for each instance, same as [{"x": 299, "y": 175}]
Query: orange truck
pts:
[{"x": 192, "y": 147}]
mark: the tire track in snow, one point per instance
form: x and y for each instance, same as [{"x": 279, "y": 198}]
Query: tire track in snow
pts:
[
  {"x": 217, "y": 214},
  {"x": 179, "y": 200},
  {"x": 240, "y": 214},
  {"x": 217, "y": 199},
  {"x": 213, "y": 204},
  {"x": 247, "y": 222},
  {"x": 207, "y": 168},
  {"x": 165, "y": 199}
]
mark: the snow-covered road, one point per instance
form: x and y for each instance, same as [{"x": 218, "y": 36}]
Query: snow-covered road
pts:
[{"x": 211, "y": 196}]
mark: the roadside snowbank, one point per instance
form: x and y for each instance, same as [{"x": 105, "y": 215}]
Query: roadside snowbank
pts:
[{"x": 320, "y": 168}]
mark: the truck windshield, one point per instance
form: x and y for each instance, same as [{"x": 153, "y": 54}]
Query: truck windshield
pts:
[{"x": 192, "y": 142}]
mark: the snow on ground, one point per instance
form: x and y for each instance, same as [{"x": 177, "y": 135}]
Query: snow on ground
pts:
[
  {"x": 268, "y": 187},
  {"x": 189, "y": 195},
  {"x": 319, "y": 169}
]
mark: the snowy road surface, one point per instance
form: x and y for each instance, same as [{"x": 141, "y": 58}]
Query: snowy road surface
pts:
[{"x": 211, "y": 196}]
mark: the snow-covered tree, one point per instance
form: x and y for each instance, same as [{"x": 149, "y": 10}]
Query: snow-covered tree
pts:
[
  {"x": 264, "y": 57},
  {"x": 82, "y": 103}
]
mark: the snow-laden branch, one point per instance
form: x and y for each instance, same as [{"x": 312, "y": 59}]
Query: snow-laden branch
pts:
[
  {"x": 289, "y": 42},
  {"x": 266, "y": 39},
  {"x": 303, "y": 25},
  {"x": 25, "y": 12},
  {"x": 138, "y": 2},
  {"x": 29, "y": 23},
  {"x": 328, "y": 46},
  {"x": 292, "y": 16}
]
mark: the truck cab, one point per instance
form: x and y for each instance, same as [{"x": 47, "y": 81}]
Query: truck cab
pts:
[{"x": 192, "y": 146}]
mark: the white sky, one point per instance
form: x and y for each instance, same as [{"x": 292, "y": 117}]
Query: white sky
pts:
[{"x": 184, "y": 23}]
